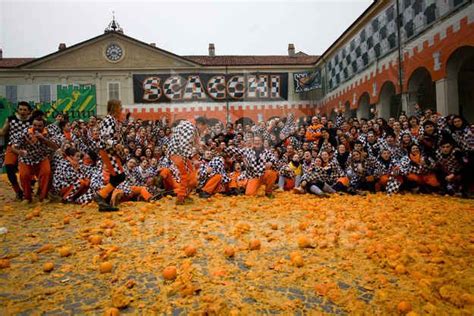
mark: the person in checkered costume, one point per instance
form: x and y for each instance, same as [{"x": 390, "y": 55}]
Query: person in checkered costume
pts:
[
  {"x": 34, "y": 147},
  {"x": 69, "y": 179},
  {"x": 15, "y": 126},
  {"x": 212, "y": 175},
  {"x": 418, "y": 170},
  {"x": 133, "y": 186},
  {"x": 387, "y": 173},
  {"x": 450, "y": 161},
  {"x": 314, "y": 181},
  {"x": 111, "y": 150},
  {"x": 259, "y": 166},
  {"x": 180, "y": 151}
]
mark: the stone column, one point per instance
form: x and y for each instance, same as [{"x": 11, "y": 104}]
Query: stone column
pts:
[{"x": 447, "y": 97}]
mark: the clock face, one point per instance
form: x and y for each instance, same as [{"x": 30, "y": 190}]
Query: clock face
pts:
[{"x": 114, "y": 52}]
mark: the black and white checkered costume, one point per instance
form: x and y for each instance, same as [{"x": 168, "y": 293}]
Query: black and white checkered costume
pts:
[
  {"x": 65, "y": 175},
  {"x": 182, "y": 140},
  {"x": 331, "y": 172},
  {"x": 217, "y": 166},
  {"x": 133, "y": 177},
  {"x": 254, "y": 162},
  {"x": 392, "y": 169},
  {"x": 16, "y": 127},
  {"x": 95, "y": 174},
  {"x": 110, "y": 136},
  {"x": 316, "y": 175},
  {"x": 36, "y": 151}
]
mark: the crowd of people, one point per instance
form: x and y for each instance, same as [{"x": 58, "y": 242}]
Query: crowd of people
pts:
[{"x": 111, "y": 160}]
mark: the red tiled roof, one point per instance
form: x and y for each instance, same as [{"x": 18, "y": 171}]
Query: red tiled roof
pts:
[
  {"x": 13, "y": 62},
  {"x": 229, "y": 60}
]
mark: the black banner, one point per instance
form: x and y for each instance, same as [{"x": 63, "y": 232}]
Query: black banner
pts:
[
  {"x": 307, "y": 81},
  {"x": 162, "y": 88}
]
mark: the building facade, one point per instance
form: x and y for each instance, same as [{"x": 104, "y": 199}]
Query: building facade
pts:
[
  {"x": 153, "y": 83},
  {"x": 426, "y": 58}
]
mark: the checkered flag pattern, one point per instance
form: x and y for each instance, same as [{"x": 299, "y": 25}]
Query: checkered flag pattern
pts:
[
  {"x": 172, "y": 87},
  {"x": 275, "y": 87},
  {"x": 379, "y": 36},
  {"x": 257, "y": 87},
  {"x": 152, "y": 89},
  {"x": 216, "y": 87},
  {"x": 236, "y": 87},
  {"x": 194, "y": 89},
  {"x": 377, "y": 39}
]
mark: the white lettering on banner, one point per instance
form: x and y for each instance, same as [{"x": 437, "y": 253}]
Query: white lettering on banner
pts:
[
  {"x": 152, "y": 89},
  {"x": 173, "y": 87},
  {"x": 236, "y": 87},
  {"x": 194, "y": 89},
  {"x": 275, "y": 87},
  {"x": 216, "y": 87},
  {"x": 257, "y": 86}
]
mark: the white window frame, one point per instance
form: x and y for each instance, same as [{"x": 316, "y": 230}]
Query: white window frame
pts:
[{"x": 108, "y": 89}]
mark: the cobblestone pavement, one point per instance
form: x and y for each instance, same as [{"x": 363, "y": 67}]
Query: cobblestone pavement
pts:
[{"x": 358, "y": 254}]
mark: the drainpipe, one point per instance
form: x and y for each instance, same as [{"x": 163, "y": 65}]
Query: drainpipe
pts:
[{"x": 400, "y": 62}]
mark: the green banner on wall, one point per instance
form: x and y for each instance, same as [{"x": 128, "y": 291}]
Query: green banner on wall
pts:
[{"x": 78, "y": 101}]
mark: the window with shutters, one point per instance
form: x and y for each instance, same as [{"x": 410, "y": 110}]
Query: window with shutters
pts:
[
  {"x": 114, "y": 90},
  {"x": 45, "y": 93},
  {"x": 11, "y": 94}
]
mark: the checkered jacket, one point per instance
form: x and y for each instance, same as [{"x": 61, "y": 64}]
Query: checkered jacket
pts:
[
  {"x": 132, "y": 178},
  {"x": 451, "y": 163},
  {"x": 464, "y": 139},
  {"x": 16, "y": 127},
  {"x": 339, "y": 120},
  {"x": 110, "y": 134},
  {"x": 182, "y": 140},
  {"x": 65, "y": 174},
  {"x": 407, "y": 166},
  {"x": 217, "y": 166},
  {"x": 332, "y": 172},
  {"x": 36, "y": 151},
  {"x": 254, "y": 164},
  {"x": 316, "y": 174},
  {"x": 307, "y": 167},
  {"x": 392, "y": 171}
]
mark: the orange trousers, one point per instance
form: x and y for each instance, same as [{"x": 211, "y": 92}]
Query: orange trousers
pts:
[
  {"x": 41, "y": 170},
  {"x": 212, "y": 185},
  {"x": 188, "y": 176},
  {"x": 169, "y": 182},
  {"x": 10, "y": 157},
  {"x": 428, "y": 179},
  {"x": 268, "y": 179},
  {"x": 235, "y": 183}
]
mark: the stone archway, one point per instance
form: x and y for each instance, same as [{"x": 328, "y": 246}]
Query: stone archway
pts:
[
  {"x": 389, "y": 104},
  {"x": 421, "y": 90},
  {"x": 459, "y": 83},
  {"x": 363, "y": 108}
]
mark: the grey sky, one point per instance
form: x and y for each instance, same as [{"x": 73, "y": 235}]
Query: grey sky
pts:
[{"x": 35, "y": 28}]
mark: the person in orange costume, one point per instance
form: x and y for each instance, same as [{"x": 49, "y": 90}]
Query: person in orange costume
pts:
[
  {"x": 14, "y": 126},
  {"x": 184, "y": 139},
  {"x": 34, "y": 147},
  {"x": 259, "y": 166},
  {"x": 313, "y": 132},
  {"x": 111, "y": 150}
]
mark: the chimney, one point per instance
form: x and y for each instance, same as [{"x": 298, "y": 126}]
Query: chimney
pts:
[
  {"x": 62, "y": 46},
  {"x": 1, "y": 53},
  {"x": 153, "y": 44},
  {"x": 291, "y": 50},
  {"x": 212, "y": 50}
]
